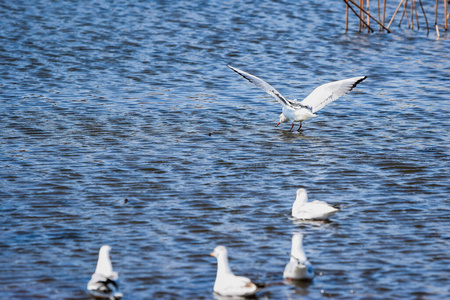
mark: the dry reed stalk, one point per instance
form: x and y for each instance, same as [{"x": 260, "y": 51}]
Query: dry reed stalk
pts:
[
  {"x": 346, "y": 16},
  {"x": 392, "y": 19},
  {"x": 363, "y": 10},
  {"x": 360, "y": 13},
  {"x": 403, "y": 14},
  {"x": 379, "y": 14},
  {"x": 425, "y": 16},
  {"x": 365, "y": 22},
  {"x": 417, "y": 15},
  {"x": 437, "y": 31},
  {"x": 368, "y": 19},
  {"x": 445, "y": 15},
  {"x": 360, "y": 19},
  {"x": 436, "y": 12},
  {"x": 405, "y": 6}
]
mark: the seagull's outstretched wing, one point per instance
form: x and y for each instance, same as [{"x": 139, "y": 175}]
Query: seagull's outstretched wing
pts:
[
  {"x": 267, "y": 88},
  {"x": 329, "y": 92}
]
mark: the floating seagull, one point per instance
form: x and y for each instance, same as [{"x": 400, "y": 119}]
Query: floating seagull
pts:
[
  {"x": 298, "y": 268},
  {"x": 316, "y": 210},
  {"x": 295, "y": 111},
  {"x": 228, "y": 284},
  {"x": 103, "y": 283}
]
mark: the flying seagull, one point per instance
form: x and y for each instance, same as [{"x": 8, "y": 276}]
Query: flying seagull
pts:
[{"x": 295, "y": 111}]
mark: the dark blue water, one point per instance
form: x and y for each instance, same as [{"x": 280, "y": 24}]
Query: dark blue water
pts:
[{"x": 103, "y": 101}]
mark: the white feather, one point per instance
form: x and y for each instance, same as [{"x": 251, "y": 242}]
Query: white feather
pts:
[{"x": 327, "y": 93}]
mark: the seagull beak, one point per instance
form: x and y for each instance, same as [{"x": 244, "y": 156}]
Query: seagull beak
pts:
[
  {"x": 278, "y": 124},
  {"x": 212, "y": 254}
]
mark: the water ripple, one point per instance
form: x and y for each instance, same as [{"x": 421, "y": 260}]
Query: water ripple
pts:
[{"x": 122, "y": 125}]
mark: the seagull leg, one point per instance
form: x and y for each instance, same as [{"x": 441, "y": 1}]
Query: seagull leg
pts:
[
  {"x": 291, "y": 127},
  {"x": 299, "y": 127}
]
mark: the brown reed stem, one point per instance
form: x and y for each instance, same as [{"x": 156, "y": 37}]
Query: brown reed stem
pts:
[
  {"x": 405, "y": 14},
  {"x": 360, "y": 14},
  {"x": 392, "y": 19},
  {"x": 406, "y": 9},
  {"x": 360, "y": 19},
  {"x": 436, "y": 12},
  {"x": 379, "y": 14},
  {"x": 368, "y": 19},
  {"x": 417, "y": 15},
  {"x": 445, "y": 15},
  {"x": 426, "y": 21},
  {"x": 346, "y": 16},
  {"x": 353, "y": 2},
  {"x": 384, "y": 11}
]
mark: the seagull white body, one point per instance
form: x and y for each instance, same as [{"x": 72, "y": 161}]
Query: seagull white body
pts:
[
  {"x": 315, "y": 210},
  {"x": 103, "y": 283},
  {"x": 228, "y": 284},
  {"x": 295, "y": 111},
  {"x": 298, "y": 268}
]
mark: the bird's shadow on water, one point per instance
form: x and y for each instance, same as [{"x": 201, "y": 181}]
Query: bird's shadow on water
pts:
[
  {"x": 306, "y": 135},
  {"x": 314, "y": 135},
  {"x": 291, "y": 136}
]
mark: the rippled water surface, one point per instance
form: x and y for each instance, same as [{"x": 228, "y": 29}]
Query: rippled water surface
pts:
[{"x": 122, "y": 125}]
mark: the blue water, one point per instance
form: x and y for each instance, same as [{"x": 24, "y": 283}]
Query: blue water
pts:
[{"x": 122, "y": 125}]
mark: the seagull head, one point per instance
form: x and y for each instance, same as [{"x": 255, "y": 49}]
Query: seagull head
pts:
[
  {"x": 283, "y": 119},
  {"x": 219, "y": 251},
  {"x": 300, "y": 200},
  {"x": 104, "y": 252},
  {"x": 104, "y": 265},
  {"x": 301, "y": 196}
]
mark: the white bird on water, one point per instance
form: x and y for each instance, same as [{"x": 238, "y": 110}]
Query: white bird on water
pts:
[
  {"x": 294, "y": 111},
  {"x": 298, "y": 268},
  {"x": 103, "y": 283},
  {"x": 228, "y": 284},
  {"x": 315, "y": 210}
]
